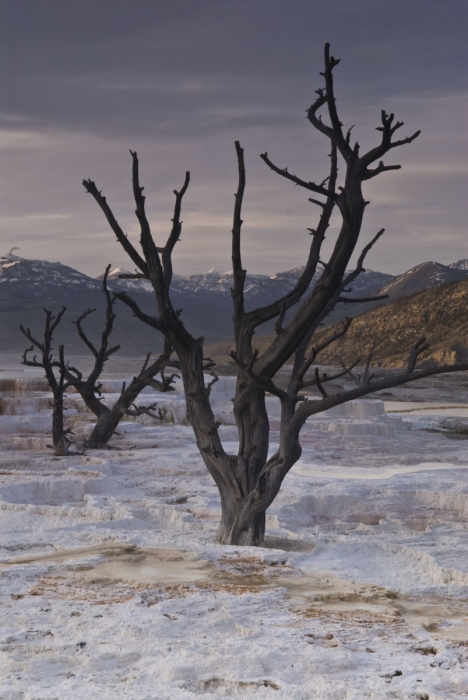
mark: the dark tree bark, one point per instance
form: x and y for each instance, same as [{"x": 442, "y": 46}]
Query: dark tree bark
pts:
[
  {"x": 90, "y": 389},
  {"x": 108, "y": 419},
  {"x": 248, "y": 482},
  {"x": 55, "y": 372}
]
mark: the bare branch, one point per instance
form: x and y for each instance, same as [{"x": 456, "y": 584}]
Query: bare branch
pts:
[
  {"x": 148, "y": 372},
  {"x": 417, "y": 350},
  {"x": 387, "y": 129},
  {"x": 309, "y": 408},
  {"x": 75, "y": 373},
  {"x": 81, "y": 332},
  {"x": 150, "y": 320},
  {"x": 34, "y": 362},
  {"x": 135, "y": 275},
  {"x": 174, "y": 236},
  {"x": 102, "y": 354},
  {"x": 302, "y": 183},
  {"x": 360, "y": 263},
  {"x": 367, "y": 248},
  {"x": 145, "y": 363},
  {"x": 280, "y": 319},
  {"x": 319, "y": 383},
  {"x": 209, "y": 364},
  {"x": 210, "y": 385},
  {"x": 409, "y": 139},
  {"x": 310, "y": 359},
  {"x": 262, "y": 315},
  {"x": 337, "y": 136},
  {"x": 91, "y": 188},
  {"x": 238, "y": 272},
  {"x": 105, "y": 351},
  {"x": 165, "y": 384},
  {"x": 146, "y": 240},
  {"x": 312, "y": 114},
  {"x": 362, "y": 300},
  {"x": 316, "y": 201},
  {"x": 348, "y": 133},
  {"x": 45, "y": 348},
  {"x": 35, "y": 343},
  {"x": 333, "y": 377},
  {"x": 136, "y": 411},
  {"x": 368, "y": 174},
  {"x": 53, "y": 321}
]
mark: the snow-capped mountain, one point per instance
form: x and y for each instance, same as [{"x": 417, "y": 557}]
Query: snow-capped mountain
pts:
[
  {"x": 208, "y": 283},
  {"x": 460, "y": 264},
  {"x": 52, "y": 280},
  {"x": 43, "y": 278},
  {"x": 424, "y": 276},
  {"x": 218, "y": 282},
  {"x": 259, "y": 289}
]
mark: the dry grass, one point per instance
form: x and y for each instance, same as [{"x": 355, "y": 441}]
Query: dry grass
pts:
[{"x": 106, "y": 591}]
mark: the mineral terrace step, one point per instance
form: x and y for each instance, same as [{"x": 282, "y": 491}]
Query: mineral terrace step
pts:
[
  {"x": 23, "y": 442},
  {"x": 379, "y": 428}
]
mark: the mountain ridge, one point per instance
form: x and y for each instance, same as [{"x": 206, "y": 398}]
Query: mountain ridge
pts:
[{"x": 27, "y": 286}]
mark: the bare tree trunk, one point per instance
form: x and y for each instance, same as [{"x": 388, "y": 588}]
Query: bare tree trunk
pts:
[
  {"x": 105, "y": 427},
  {"x": 60, "y": 440},
  {"x": 108, "y": 419}
]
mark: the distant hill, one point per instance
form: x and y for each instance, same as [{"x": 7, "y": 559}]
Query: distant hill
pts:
[
  {"x": 47, "y": 280},
  {"x": 440, "y": 314},
  {"x": 424, "y": 276}
]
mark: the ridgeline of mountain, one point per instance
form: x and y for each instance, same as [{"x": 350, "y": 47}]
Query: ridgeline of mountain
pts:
[
  {"x": 424, "y": 276},
  {"x": 259, "y": 289},
  {"x": 49, "y": 281},
  {"x": 263, "y": 289},
  {"x": 27, "y": 286}
]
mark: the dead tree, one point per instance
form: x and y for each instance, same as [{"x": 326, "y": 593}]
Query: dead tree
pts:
[
  {"x": 90, "y": 389},
  {"x": 248, "y": 482},
  {"x": 55, "y": 372}
]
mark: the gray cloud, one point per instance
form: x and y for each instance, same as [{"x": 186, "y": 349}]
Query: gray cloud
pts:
[{"x": 181, "y": 80}]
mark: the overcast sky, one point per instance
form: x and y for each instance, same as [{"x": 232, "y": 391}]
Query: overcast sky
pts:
[{"x": 180, "y": 80}]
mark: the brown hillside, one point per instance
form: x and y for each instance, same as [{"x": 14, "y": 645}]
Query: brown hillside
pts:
[{"x": 440, "y": 314}]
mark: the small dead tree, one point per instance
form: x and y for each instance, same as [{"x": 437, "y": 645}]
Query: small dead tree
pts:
[
  {"x": 61, "y": 376},
  {"x": 90, "y": 389},
  {"x": 249, "y": 481},
  {"x": 56, "y": 373}
]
